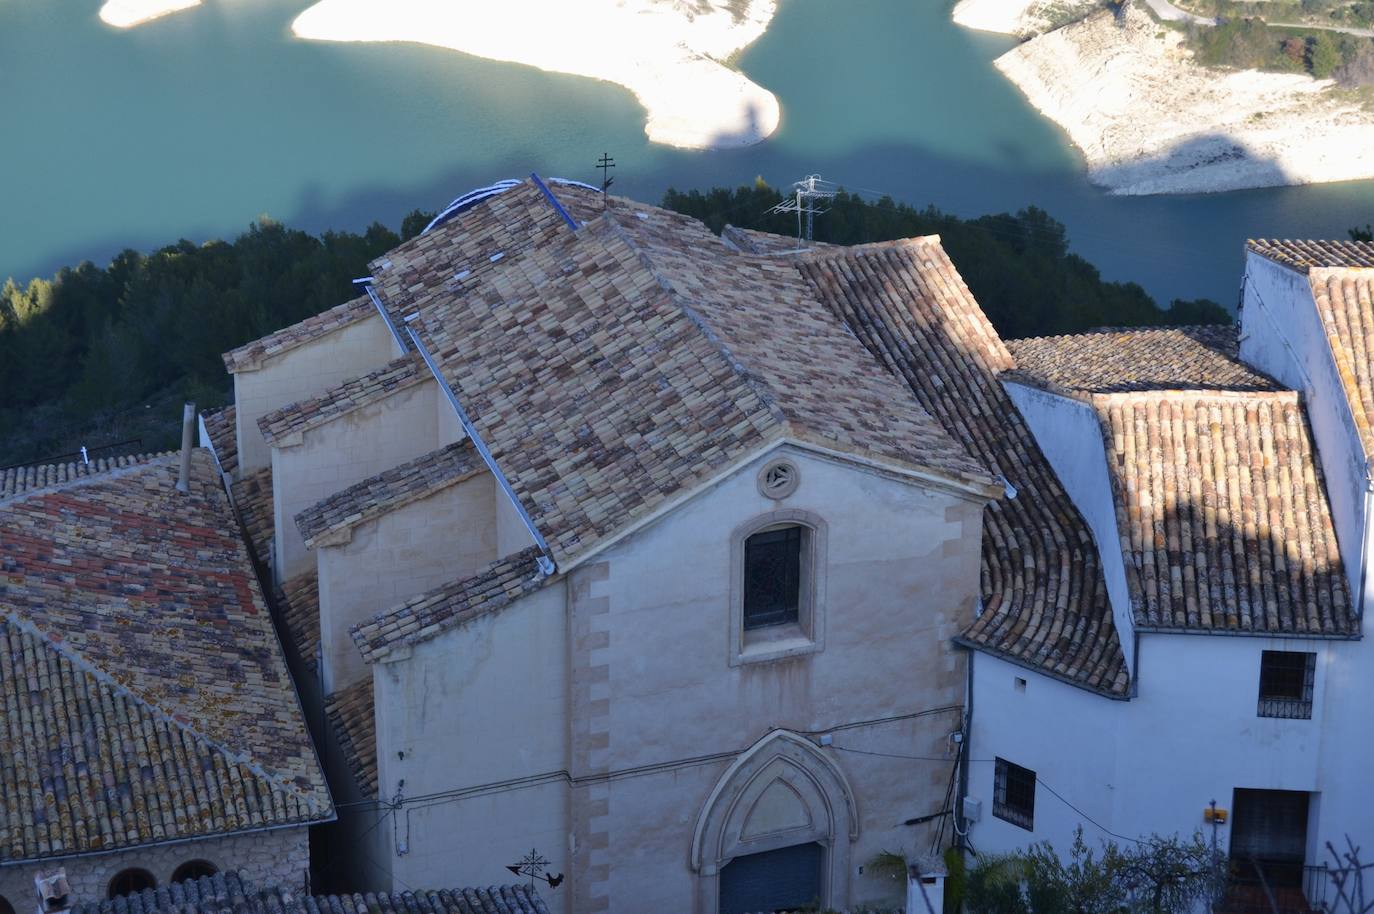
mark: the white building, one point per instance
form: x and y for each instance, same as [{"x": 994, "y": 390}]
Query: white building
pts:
[{"x": 1235, "y": 483}]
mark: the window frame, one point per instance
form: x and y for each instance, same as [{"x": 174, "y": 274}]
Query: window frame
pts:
[
  {"x": 130, "y": 872},
  {"x": 787, "y": 639},
  {"x": 783, "y": 613},
  {"x": 1287, "y": 706},
  {"x": 1002, "y": 807}
]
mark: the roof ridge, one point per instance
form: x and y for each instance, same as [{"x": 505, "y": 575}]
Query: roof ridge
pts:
[
  {"x": 59, "y": 645},
  {"x": 682, "y": 299},
  {"x": 115, "y": 471},
  {"x": 1193, "y": 393}
]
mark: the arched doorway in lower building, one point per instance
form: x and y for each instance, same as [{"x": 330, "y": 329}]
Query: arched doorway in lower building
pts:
[
  {"x": 194, "y": 869},
  {"x": 776, "y": 831},
  {"x": 127, "y": 882}
]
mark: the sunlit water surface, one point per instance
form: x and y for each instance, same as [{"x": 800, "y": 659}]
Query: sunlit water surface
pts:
[{"x": 194, "y": 125}]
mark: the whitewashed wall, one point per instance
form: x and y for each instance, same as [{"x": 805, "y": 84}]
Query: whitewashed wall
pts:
[
  {"x": 1070, "y": 436},
  {"x": 399, "y": 555},
  {"x": 301, "y": 373}
]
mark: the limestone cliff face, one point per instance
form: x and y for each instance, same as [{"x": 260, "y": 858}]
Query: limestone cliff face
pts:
[
  {"x": 1022, "y": 18},
  {"x": 1150, "y": 120}
]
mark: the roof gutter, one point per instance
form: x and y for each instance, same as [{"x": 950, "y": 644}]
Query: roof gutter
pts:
[
  {"x": 133, "y": 848},
  {"x": 366, "y": 283},
  {"x": 546, "y": 563}
]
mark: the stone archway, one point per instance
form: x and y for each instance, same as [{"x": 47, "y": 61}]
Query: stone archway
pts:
[{"x": 781, "y": 792}]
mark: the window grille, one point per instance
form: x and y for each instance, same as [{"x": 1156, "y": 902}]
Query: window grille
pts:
[
  {"x": 1286, "y": 679},
  {"x": 772, "y": 577},
  {"x": 1013, "y": 797}
]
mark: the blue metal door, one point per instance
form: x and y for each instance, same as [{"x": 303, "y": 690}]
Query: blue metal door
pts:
[{"x": 780, "y": 880}]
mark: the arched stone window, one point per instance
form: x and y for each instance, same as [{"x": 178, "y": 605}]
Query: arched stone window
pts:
[
  {"x": 783, "y": 793},
  {"x": 777, "y": 586},
  {"x": 127, "y": 882},
  {"x": 194, "y": 869}
]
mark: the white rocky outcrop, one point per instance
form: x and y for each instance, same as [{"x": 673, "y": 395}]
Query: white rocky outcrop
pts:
[
  {"x": 668, "y": 54},
  {"x": 124, "y": 14},
  {"x": 1151, "y": 120},
  {"x": 1022, "y": 18}
]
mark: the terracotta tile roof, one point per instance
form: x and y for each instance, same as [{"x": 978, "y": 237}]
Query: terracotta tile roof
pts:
[
  {"x": 1112, "y": 359},
  {"x": 1345, "y": 303},
  {"x": 609, "y": 368},
  {"x": 298, "y": 601},
  {"x": 1306, "y": 255},
  {"x": 354, "y": 718},
  {"x": 1044, "y": 595},
  {"x": 1223, "y": 514},
  {"x": 752, "y": 241},
  {"x": 16, "y": 480},
  {"x": 502, "y": 226},
  {"x": 145, "y": 697},
  {"x": 250, "y": 355},
  {"x": 304, "y": 415},
  {"x": 387, "y": 491},
  {"x": 222, "y": 427},
  {"x": 429, "y": 614},
  {"x": 253, "y": 498},
  {"x": 231, "y": 893}
]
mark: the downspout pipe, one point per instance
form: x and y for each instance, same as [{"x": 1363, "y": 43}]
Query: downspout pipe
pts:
[{"x": 1365, "y": 545}]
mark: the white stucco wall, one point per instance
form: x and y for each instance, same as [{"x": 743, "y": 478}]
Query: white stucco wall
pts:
[
  {"x": 1282, "y": 335},
  {"x": 480, "y": 710},
  {"x": 1152, "y": 765},
  {"x": 356, "y": 445},
  {"x": 399, "y": 555},
  {"x": 301, "y": 373},
  {"x": 277, "y": 857},
  {"x": 591, "y": 720},
  {"x": 1070, "y": 435}
]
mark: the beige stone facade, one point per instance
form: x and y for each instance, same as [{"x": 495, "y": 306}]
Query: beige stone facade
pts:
[
  {"x": 276, "y": 857},
  {"x": 602, "y": 718}
]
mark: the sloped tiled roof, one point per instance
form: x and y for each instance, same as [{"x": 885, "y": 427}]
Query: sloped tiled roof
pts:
[
  {"x": 1223, "y": 514},
  {"x": 250, "y": 355},
  {"x": 1344, "y": 299},
  {"x": 1112, "y": 359},
  {"x": 222, "y": 427},
  {"x": 611, "y": 367},
  {"x": 353, "y": 717},
  {"x": 27, "y": 478},
  {"x": 231, "y": 893},
  {"x": 470, "y": 245},
  {"x": 751, "y": 241},
  {"x": 299, "y": 603},
  {"x": 356, "y": 393},
  {"x": 145, "y": 696},
  {"x": 1307, "y": 255},
  {"x": 1044, "y": 595},
  {"x": 429, "y": 614},
  {"x": 253, "y": 498},
  {"x": 400, "y": 485}
]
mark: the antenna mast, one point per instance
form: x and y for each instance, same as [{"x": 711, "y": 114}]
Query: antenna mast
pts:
[{"x": 807, "y": 192}]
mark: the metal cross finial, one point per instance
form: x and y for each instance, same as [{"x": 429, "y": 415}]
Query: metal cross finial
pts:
[{"x": 606, "y": 163}]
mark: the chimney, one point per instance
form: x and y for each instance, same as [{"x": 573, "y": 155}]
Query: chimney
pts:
[
  {"x": 188, "y": 424},
  {"x": 54, "y": 893}
]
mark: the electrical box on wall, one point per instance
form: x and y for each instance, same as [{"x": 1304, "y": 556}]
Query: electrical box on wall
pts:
[
  {"x": 973, "y": 809},
  {"x": 1214, "y": 815}
]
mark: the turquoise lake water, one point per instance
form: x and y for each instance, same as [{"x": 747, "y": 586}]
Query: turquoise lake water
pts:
[{"x": 193, "y": 125}]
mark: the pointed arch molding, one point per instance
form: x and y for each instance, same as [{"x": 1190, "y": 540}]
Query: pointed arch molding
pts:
[{"x": 805, "y": 798}]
